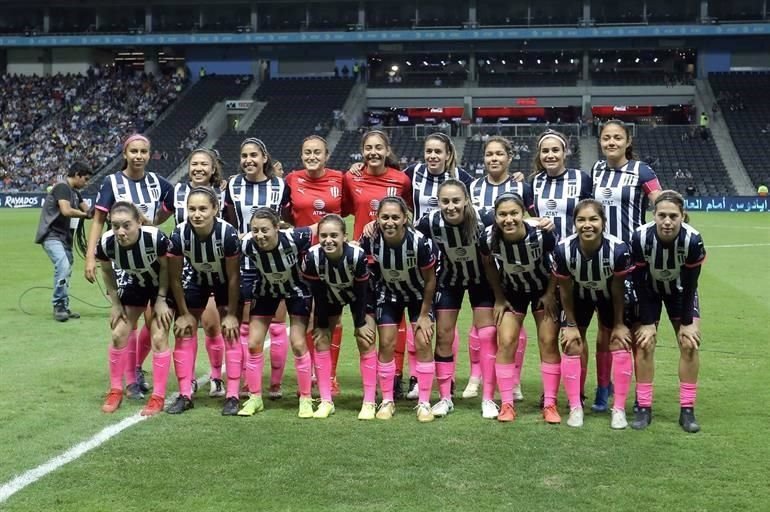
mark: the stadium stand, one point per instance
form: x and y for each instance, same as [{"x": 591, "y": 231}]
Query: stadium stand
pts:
[
  {"x": 91, "y": 127},
  {"x": 743, "y": 101},
  {"x": 296, "y": 108},
  {"x": 407, "y": 148},
  {"x": 545, "y": 79}
]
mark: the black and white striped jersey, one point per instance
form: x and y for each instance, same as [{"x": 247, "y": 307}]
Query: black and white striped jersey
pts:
[
  {"x": 592, "y": 275},
  {"x": 523, "y": 265},
  {"x": 664, "y": 262},
  {"x": 337, "y": 277},
  {"x": 278, "y": 270},
  {"x": 459, "y": 259},
  {"x": 623, "y": 193},
  {"x": 206, "y": 256},
  {"x": 139, "y": 262},
  {"x": 181, "y": 192},
  {"x": 556, "y": 197},
  {"x": 149, "y": 194},
  {"x": 425, "y": 187},
  {"x": 397, "y": 269},
  {"x": 483, "y": 193}
]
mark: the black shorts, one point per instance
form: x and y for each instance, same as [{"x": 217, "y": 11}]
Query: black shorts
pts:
[
  {"x": 451, "y": 297},
  {"x": 197, "y": 296},
  {"x": 267, "y": 306},
  {"x": 653, "y": 307},
  {"x": 391, "y": 313},
  {"x": 248, "y": 281},
  {"x": 132, "y": 294},
  {"x": 584, "y": 311},
  {"x": 522, "y": 301}
]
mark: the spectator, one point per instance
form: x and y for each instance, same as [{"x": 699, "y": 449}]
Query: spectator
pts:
[{"x": 438, "y": 82}]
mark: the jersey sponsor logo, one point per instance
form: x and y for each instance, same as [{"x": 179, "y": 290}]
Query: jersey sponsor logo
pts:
[
  {"x": 433, "y": 202},
  {"x": 394, "y": 273},
  {"x": 279, "y": 277},
  {"x": 143, "y": 208},
  {"x": 551, "y": 204},
  {"x": 319, "y": 204},
  {"x": 374, "y": 204},
  {"x": 607, "y": 197}
]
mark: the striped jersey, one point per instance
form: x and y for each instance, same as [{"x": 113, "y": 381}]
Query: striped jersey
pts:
[
  {"x": 245, "y": 196},
  {"x": 181, "y": 192},
  {"x": 150, "y": 194},
  {"x": 459, "y": 259},
  {"x": 338, "y": 277},
  {"x": 664, "y": 262},
  {"x": 397, "y": 269},
  {"x": 592, "y": 276},
  {"x": 483, "y": 193},
  {"x": 139, "y": 262},
  {"x": 206, "y": 256},
  {"x": 278, "y": 271},
  {"x": 524, "y": 265},
  {"x": 556, "y": 197},
  {"x": 425, "y": 187},
  {"x": 623, "y": 192}
]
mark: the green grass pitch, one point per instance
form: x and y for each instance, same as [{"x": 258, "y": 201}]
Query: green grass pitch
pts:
[{"x": 53, "y": 377}]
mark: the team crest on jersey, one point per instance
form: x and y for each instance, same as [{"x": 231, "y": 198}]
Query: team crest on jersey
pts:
[
  {"x": 535, "y": 250},
  {"x": 154, "y": 190},
  {"x": 275, "y": 197},
  {"x": 219, "y": 251},
  {"x": 335, "y": 192},
  {"x": 143, "y": 208},
  {"x": 391, "y": 191},
  {"x": 411, "y": 259},
  {"x": 606, "y": 266},
  {"x": 572, "y": 189},
  {"x": 291, "y": 259}
]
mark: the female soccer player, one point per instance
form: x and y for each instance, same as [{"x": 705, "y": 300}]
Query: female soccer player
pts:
[
  {"x": 338, "y": 275},
  {"x": 209, "y": 250},
  {"x": 140, "y": 252},
  {"x": 315, "y": 191},
  {"x": 592, "y": 266},
  {"x": 204, "y": 170},
  {"x": 557, "y": 190},
  {"x": 275, "y": 256},
  {"x": 153, "y": 196},
  {"x": 498, "y": 154},
  {"x": 625, "y": 187},
  {"x": 455, "y": 229},
  {"x": 668, "y": 254},
  {"x": 517, "y": 256},
  {"x": 257, "y": 186},
  {"x": 403, "y": 263}
]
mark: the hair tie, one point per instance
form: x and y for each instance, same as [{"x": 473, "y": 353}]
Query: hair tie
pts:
[{"x": 132, "y": 138}]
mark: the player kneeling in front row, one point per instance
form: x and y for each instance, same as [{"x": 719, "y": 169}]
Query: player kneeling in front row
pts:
[
  {"x": 338, "y": 275},
  {"x": 209, "y": 250},
  {"x": 668, "y": 254},
  {"x": 140, "y": 251}
]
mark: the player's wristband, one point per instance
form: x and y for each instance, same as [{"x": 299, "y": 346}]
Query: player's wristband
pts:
[{"x": 570, "y": 324}]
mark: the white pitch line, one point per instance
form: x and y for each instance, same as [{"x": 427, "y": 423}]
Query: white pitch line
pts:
[
  {"x": 730, "y": 246},
  {"x": 27, "y": 478}
]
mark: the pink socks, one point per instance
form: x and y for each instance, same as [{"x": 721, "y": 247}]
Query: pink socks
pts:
[
  {"x": 488, "y": 340},
  {"x": 506, "y": 381},
  {"x": 474, "y": 353},
  {"x": 243, "y": 337},
  {"x": 130, "y": 365},
  {"x": 551, "y": 374},
  {"x": 644, "y": 394},
  {"x": 279, "y": 347},
  {"x": 303, "y": 366},
  {"x": 518, "y": 358},
  {"x": 183, "y": 364},
  {"x": 161, "y": 364},
  {"x": 254, "y": 367},
  {"x": 411, "y": 351},
  {"x": 445, "y": 370},
  {"x": 687, "y": 392},
  {"x": 622, "y": 366},
  {"x": 425, "y": 372},
  {"x": 367, "y": 364},
  {"x": 604, "y": 362},
  {"x": 117, "y": 360},
  {"x": 323, "y": 372},
  {"x": 571, "y": 372},
  {"x": 215, "y": 347},
  {"x": 143, "y": 345},
  {"x": 386, "y": 373},
  {"x": 234, "y": 359}
]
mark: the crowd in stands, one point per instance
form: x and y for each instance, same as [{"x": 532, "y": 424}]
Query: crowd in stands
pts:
[
  {"x": 191, "y": 142},
  {"x": 89, "y": 126}
]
